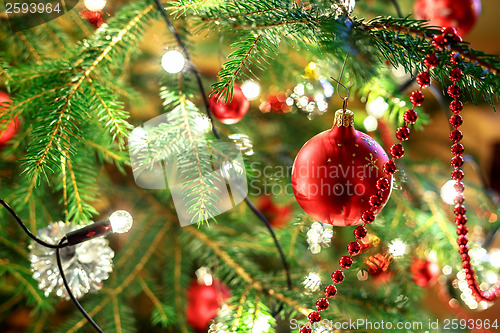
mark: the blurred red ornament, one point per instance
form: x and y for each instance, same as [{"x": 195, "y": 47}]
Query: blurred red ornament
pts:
[
  {"x": 460, "y": 14},
  {"x": 276, "y": 103},
  {"x": 203, "y": 303},
  {"x": 13, "y": 127},
  {"x": 335, "y": 174},
  {"x": 424, "y": 272},
  {"x": 231, "y": 112},
  {"x": 95, "y": 18},
  {"x": 278, "y": 216}
]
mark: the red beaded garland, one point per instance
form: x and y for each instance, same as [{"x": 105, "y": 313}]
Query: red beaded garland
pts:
[
  {"x": 417, "y": 98},
  {"x": 455, "y": 74},
  {"x": 431, "y": 60},
  {"x": 360, "y": 232},
  {"x": 423, "y": 79},
  {"x": 456, "y": 120},
  {"x": 375, "y": 200},
  {"x": 353, "y": 248},
  {"x": 457, "y": 149},
  {"x": 403, "y": 133},
  {"x": 314, "y": 317},
  {"x": 457, "y": 174},
  {"x": 330, "y": 290},
  {"x": 454, "y": 91},
  {"x": 389, "y": 167},
  {"x": 383, "y": 184},
  {"x": 338, "y": 276},
  {"x": 460, "y": 219},
  {"x": 439, "y": 41},
  {"x": 345, "y": 262},
  {"x": 397, "y": 151},
  {"x": 457, "y": 161},
  {"x": 459, "y": 210},
  {"x": 368, "y": 216},
  {"x": 454, "y": 58},
  {"x": 456, "y": 136},
  {"x": 410, "y": 116},
  {"x": 456, "y": 106},
  {"x": 305, "y": 329},
  {"x": 322, "y": 304}
]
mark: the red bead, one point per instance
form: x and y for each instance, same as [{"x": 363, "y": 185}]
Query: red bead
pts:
[
  {"x": 417, "y": 98},
  {"x": 456, "y": 106},
  {"x": 449, "y": 32},
  {"x": 389, "y": 168},
  {"x": 455, "y": 58},
  {"x": 456, "y": 120},
  {"x": 368, "y": 216},
  {"x": 438, "y": 41},
  {"x": 345, "y": 261},
  {"x": 330, "y": 290},
  {"x": 314, "y": 317},
  {"x": 423, "y": 79},
  {"x": 455, "y": 74},
  {"x": 306, "y": 329},
  {"x": 462, "y": 240},
  {"x": 360, "y": 232},
  {"x": 459, "y": 199},
  {"x": 411, "y": 116},
  {"x": 456, "y": 136},
  {"x": 457, "y": 161},
  {"x": 463, "y": 249},
  {"x": 462, "y": 230},
  {"x": 322, "y": 304},
  {"x": 459, "y": 187},
  {"x": 465, "y": 264},
  {"x": 338, "y": 276},
  {"x": 461, "y": 219},
  {"x": 383, "y": 184},
  {"x": 457, "y": 149},
  {"x": 454, "y": 91},
  {"x": 459, "y": 210},
  {"x": 397, "y": 151},
  {"x": 457, "y": 174},
  {"x": 403, "y": 133},
  {"x": 353, "y": 248},
  {"x": 431, "y": 60},
  {"x": 375, "y": 200},
  {"x": 465, "y": 256}
]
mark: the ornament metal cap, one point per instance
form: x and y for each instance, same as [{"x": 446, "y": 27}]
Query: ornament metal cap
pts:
[{"x": 343, "y": 118}]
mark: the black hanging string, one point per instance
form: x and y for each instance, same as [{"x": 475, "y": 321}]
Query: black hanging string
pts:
[{"x": 62, "y": 244}]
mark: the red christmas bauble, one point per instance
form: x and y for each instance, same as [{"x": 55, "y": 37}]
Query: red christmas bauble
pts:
[
  {"x": 424, "y": 272},
  {"x": 230, "y": 112},
  {"x": 13, "y": 127},
  {"x": 203, "y": 303},
  {"x": 95, "y": 18},
  {"x": 460, "y": 14},
  {"x": 278, "y": 216},
  {"x": 335, "y": 173}
]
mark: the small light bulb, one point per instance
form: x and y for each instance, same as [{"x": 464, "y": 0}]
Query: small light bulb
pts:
[
  {"x": 397, "y": 248},
  {"x": 121, "y": 221},
  {"x": 173, "y": 62},
  {"x": 377, "y": 107},
  {"x": 370, "y": 123},
  {"x": 95, "y": 5},
  {"x": 448, "y": 192},
  {"x": 251, "y": 89}
]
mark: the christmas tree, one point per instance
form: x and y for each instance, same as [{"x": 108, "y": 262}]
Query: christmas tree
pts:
[{"x": 191, "y": 117}]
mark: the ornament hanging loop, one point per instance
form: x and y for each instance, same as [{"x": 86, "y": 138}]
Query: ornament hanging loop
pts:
[{"x": 339, "y": 84}]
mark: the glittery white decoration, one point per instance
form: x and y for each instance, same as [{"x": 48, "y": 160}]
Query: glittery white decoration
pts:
[
  {"x": 312, "y": 282},
  {"x": 319, "y": 236},
  {"x": 85, "y": 265}
]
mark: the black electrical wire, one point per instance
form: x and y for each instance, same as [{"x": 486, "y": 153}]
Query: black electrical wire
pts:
[
  {"x": 26, "y": 230},
  {"x": 62, "y": 244},
  {"x": 65, "y": 282}
]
